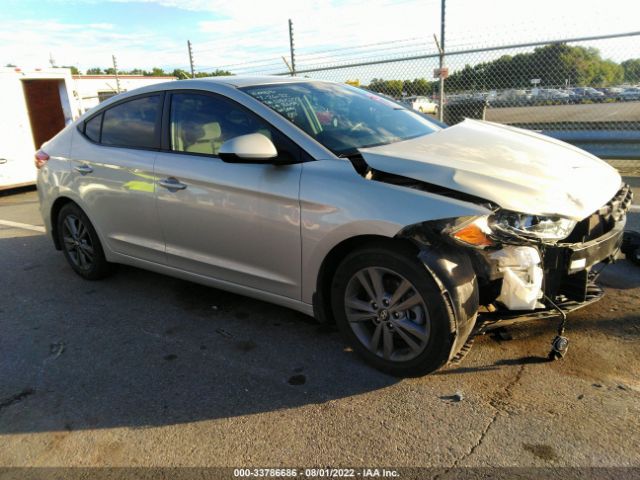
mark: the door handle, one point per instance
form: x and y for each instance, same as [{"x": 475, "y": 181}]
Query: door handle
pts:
[
  {"x": 3, "y": 161},
  {"x": 172, "y": 184},
  {"x": 83, "y": 169}
]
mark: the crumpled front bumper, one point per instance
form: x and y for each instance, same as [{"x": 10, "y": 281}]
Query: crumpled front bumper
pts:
[{"x": 569, "y": 277}]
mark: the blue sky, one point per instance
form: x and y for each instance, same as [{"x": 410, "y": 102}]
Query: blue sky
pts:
[{"x": 147, "y": 33}]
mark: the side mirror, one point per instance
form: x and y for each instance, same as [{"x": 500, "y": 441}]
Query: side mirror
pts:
[{"x": 251, "y": 148}]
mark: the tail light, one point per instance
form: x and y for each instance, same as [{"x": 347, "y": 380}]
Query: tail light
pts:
[{"x": 41, "y": 158}]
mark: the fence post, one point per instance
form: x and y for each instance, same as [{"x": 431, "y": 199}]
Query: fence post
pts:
[
  {"x": 293, "y": 55},
  {"x": 193, "y": 74},
  {"x": 441, "y": 96},
  {"x": 115, "y": 71}
]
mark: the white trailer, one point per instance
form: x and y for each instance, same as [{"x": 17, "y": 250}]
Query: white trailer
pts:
[{"x": 36, "y": 105}]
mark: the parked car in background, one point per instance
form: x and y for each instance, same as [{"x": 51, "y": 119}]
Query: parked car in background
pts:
[
  {"x": 553, "y": 94},
  {"x": 422, "y": 104},
  {"x": 374, "y": 216},
  {"x": 611, "y": 92},
  {"x": 588, "y": 93},
  {"x": 513, "y": 96},
  {"x": 629, "y": 94}
]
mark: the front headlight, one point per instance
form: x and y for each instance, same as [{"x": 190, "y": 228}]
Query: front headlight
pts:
[{"x": 551, "y": 228}]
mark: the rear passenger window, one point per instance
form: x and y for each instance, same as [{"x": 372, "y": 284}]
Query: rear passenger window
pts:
[
  {"x": 201, "y": 123},
  {"x": 92, "y": 128},
  {"x": 133, "y": 124}
]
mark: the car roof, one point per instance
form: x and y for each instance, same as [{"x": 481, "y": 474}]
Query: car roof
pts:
[
  {"x": 248, "y": 81},
  {"x": 223, "y": 82},
  {"x": 235, "y": 81}
]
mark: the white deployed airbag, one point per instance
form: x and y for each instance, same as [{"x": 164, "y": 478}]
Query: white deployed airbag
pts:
[{"x": 522, "y": 281}]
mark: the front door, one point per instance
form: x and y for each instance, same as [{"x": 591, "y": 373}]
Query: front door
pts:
[{"x": 239, "y": 223}]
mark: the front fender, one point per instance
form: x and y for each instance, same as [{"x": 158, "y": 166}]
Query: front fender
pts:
[
  {"x": 453, "y": 272},
  {"x": 337, "y": 204}
]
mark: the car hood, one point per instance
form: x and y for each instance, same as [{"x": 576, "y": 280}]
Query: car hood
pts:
[{"x": 516, "y": 169}]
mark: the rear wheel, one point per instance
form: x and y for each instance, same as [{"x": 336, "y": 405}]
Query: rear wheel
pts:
[
  {"x": 392, "y": 312},
  {"x": 80, "y": 243}
]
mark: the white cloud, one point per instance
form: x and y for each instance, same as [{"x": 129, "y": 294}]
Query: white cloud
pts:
[
  {"x": 239, "y": 31},
  {"x": 83, "y": 45}
]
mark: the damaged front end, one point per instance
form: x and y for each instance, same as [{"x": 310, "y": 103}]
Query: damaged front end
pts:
[
  {"x": 528, "y": 276},
  {"x": 532, "y": 267}
]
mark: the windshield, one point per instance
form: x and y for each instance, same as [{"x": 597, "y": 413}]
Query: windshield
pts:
[{"x": 343, "y": 118}]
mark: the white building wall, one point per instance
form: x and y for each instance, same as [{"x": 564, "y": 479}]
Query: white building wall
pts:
[{"x": 89, "y": 87}]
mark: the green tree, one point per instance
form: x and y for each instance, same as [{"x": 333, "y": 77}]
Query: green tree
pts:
[
  {"x": 392, "y": 88},
  {"x": 156, "y": 72},
  {"x": 94, "y": 71},
  {"x": 553, "y": 64},
  {"x": 631, "y": 69},
  {"x": 181, "y": 74},
  {"x": 74, "y": 70},
  {"x": 417, "y": 86},
  {"x": 215, "y": 73}
]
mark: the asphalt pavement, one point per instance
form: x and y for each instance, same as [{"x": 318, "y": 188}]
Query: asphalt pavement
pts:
[{"x": 146, "y": 370}]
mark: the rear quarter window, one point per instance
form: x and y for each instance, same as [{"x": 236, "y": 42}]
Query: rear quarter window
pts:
[
  {"x": 133, "y": 124},
  {"x": 92, "y": 128}
]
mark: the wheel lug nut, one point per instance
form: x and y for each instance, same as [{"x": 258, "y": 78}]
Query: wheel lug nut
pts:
[{"x": 374, "y": 305}]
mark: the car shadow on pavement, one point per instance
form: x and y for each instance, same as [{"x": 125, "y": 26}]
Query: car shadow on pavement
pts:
[
  {"x": 623, "y": 275},
  {"x": 140, "y": 350}
]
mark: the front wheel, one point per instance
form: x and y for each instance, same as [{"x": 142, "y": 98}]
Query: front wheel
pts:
[{"x": 392, "y": 312}]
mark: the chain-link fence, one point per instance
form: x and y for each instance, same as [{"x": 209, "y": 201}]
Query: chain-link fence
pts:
[{"x": 589, "y": 83}]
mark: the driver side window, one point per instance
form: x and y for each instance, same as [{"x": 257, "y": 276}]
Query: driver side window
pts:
[{"x": 200, "y": 124}]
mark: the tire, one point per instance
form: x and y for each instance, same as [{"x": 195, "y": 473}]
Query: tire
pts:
[
  {"x": 80, "y": 244},
  {"x": 427, "y": 323}
]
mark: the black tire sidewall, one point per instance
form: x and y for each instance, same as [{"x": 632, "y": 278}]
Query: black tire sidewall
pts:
[
  {"x": 99, "y": 267},
  {"x": 440, "y": 342}
]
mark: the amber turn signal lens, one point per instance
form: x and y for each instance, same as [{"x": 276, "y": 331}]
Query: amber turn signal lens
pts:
[{"x": 473, "y": 235}]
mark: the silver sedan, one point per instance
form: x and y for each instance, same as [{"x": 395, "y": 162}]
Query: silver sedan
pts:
[{"x": 338, "y": 203}]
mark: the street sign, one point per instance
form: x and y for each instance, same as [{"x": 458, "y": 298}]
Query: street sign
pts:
[
  {"x": 441, "y": 72},
  {"x": 535, "y": 81}
]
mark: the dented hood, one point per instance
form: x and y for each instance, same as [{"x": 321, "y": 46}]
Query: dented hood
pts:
[{"x": 516, "y": 169}]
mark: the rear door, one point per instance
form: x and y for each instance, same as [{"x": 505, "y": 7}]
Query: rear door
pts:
[
  {"x": 239, "y": 223},
  {"x": 112, "y": 171}
]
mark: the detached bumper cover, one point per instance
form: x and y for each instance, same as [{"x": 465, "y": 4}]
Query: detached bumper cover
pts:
[{"x": 488, "y": 321}]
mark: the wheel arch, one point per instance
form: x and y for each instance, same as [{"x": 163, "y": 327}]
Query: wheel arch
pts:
[
  {"x": 322, "y": 296},
  {"x": 450, "y": 266},
  {"x": 57, "y": 205},
  {"x": 54, "y": 212}
]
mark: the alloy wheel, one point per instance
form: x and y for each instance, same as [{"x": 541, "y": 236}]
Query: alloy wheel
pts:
[
  {"x": 387, "y": 314},
  {"x": 77, "y": 242}
]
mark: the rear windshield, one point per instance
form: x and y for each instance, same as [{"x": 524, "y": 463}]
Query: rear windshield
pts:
[{"x": 341, "y": 117}]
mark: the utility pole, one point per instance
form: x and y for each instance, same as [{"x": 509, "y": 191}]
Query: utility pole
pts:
[
  {"x": 293, "y": 55},
  {"x": 193, "y": 73},
  {"x": 115, "y": 71},
  {"x": 441, "y": 48}
]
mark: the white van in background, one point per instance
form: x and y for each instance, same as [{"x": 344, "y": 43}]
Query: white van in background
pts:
[{"x": 37, "y": 104}]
